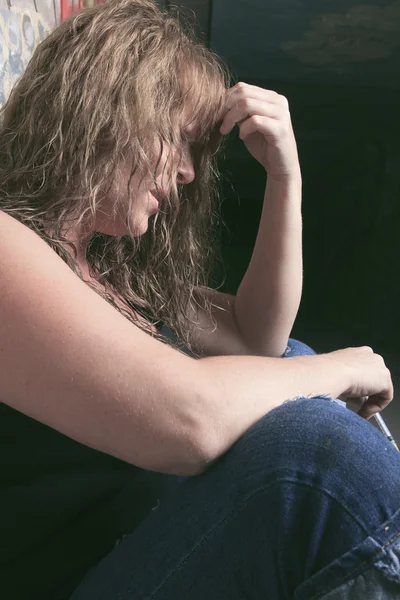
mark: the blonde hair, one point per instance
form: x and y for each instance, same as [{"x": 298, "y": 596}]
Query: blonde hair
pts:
[{"x": 98, "y": 91}]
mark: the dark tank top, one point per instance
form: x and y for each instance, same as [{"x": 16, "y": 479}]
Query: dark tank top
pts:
[{"x": 63, "y": 506}]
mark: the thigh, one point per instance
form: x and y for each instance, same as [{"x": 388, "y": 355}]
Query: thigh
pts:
[{"x": 303, "y": 486}]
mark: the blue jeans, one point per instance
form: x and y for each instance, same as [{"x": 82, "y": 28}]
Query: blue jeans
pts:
[{"x": 305, "y": 505}]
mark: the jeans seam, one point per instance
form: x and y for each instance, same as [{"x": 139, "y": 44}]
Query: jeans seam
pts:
[
  {"x": 249, "y": 497},
  {"x": 326, "y": 493},
  {"x": 354, "y": 572}
]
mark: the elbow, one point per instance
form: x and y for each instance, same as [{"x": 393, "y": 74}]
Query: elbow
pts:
[
  {"x": 203, "y": 445},
  {"x": 192, "y": 437},
  {"x": 208, "y": 441},
  {"x": 191, "y": 451},
  {"x": 206, "y": 454},
  {"x": 198, "y": 454},
  {"x": 210, "y": 434},
  {"x": 210, "y": 430}
]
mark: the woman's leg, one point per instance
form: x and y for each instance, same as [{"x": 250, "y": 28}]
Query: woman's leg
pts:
[{"x": 307, "y": 500}]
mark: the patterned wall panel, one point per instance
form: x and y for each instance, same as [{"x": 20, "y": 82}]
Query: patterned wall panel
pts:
[{"x": 23, "y": 24}]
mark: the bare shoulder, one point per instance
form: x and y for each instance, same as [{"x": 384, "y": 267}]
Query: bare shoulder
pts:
[
  {"x": 13, "y": 234},
  {"x": 73, "y": 362},
  {"x": 22, "y": 251},
  {"x": 36, "y": 282}
]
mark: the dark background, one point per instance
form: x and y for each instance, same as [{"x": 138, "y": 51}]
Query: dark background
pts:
[{"x": 338, "y": 63}]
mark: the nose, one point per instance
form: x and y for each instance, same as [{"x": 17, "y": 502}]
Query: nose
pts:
[{"x": 186, "y": 172}]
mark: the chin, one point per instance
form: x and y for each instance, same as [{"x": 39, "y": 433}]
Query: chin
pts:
[{"x": 138, "y": 228}]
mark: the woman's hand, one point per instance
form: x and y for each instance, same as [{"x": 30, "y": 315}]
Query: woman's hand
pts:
[
  {"x": 370, "y": 383},
  {"x": 265, "y": 127}
]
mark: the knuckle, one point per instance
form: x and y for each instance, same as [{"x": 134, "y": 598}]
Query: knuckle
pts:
[
  {"x": 244, "y": 103},
  {"x": 256, "y": 120},
  {"x": 379, "y": 359},
  {"x": 367, "y": 349},
  {"x": 283, "y": 101},
  {"x": 241, "y": 86}
]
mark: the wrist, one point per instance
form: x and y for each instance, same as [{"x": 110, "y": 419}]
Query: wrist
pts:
[
  {"x": 292, "y": 177},
  {"x": 339, "y": 372},
  {"x": 287, "y": 187}
]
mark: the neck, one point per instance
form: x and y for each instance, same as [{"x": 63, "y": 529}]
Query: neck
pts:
[{"x": 79, "y": 235}]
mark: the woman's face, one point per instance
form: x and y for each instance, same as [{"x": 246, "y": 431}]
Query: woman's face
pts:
[{"x": 144, "y": 195}]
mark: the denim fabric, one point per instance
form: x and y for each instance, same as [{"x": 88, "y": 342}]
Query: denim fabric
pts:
[
  {"x": 296, "y": 348},
  {"x": 305, "y": 505},
  {"x": 376, "y": 573}
]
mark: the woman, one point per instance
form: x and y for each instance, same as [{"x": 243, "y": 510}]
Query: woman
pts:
[{"x": 107, "y": 148}]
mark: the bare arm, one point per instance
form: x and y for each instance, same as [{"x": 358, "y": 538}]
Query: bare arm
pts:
[
  {"x": 259, "y": 319},
  {"x": 71, "y": 361},
  {"x": 269, "y": 295}
]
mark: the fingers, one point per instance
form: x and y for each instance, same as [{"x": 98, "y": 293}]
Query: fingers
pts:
[
  {"x": 244, "y": 101},
  {"x": 244, "y": 90},
  {"x": 271, "y": 127},
  {"x": 249, "y": 107},
  {"x": 371, "y": 387},
  {"x": 376, "y": 404},
  {"x": 370, "y": 405}
]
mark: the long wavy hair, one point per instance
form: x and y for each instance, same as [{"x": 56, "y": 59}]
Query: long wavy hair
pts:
[{"x": 98, "y": 91}]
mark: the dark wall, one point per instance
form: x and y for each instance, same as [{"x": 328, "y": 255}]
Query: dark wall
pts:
[
  {"x": 340, "y": 71},
  {"x": 313, "y": 41}
]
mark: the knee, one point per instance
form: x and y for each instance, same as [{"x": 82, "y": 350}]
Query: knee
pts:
[
  {"x": 301, "y": 422},
  {"x": 300, "y": 434},
  {"x": 290, "y": 438},
  {"x": 317, "y": 442}
]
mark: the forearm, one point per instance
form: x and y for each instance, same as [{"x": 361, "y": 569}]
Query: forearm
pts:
[
  {"x": 243, "y": 389},
  {"x": 269, "y": 295}
]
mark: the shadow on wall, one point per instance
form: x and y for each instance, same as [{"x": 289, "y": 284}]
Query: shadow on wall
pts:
[{"x": 23, "y": 25}]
